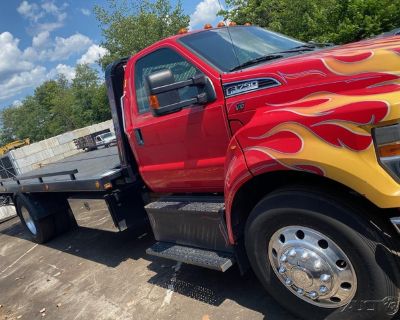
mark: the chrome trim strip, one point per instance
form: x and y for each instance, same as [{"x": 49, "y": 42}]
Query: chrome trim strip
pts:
[{"x": 123, "y": 112}]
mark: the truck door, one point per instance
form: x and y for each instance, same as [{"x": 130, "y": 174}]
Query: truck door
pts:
[{"x": 182, "y": 151}]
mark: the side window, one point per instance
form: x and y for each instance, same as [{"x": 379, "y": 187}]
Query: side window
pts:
[{"x": 158, "y": 60}]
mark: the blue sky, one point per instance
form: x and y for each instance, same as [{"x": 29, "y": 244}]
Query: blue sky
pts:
[{"x": 42, "y": 38}]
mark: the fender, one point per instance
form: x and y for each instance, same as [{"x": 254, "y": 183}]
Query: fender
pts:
[
  {"x": 327, "y": 134},
  {"x": 236, "y": 174}
]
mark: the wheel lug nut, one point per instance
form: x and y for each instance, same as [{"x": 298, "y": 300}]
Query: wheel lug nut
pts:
[
  {"x": 317, "y": 265},
  {"x": 288, "y": 282},
  {"x": 292, "y": 253},
  {"x": 325, "y": 277},
  {"x": 323, "y": 289},
  {"x": 305, "y": 255},
  {"x": 300, "y": 291},
  {"x": 313, "y": 295},
  {"x": 282, "y": 269},
  {"x": 283, "y": 258}
]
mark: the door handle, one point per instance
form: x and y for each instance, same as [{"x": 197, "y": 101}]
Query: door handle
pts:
[{"x": 139, "y": 137}]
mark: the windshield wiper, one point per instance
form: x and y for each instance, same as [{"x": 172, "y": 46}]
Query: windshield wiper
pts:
[
  {"x": 309, "y": 45},
  {"x": 304, "y": 47},
  {"x": 257, "y": 60},
  {"x": 321, "y": 44},
  {"x": 276, "y": 55}
]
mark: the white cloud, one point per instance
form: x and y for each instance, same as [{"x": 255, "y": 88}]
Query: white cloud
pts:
[
  {"x": 17, "y": 82},
  {"x": 67, "y": 71},
  {"x": 37, "y": 14},
  {"x": 205, "y": 12},
  {"x": 93, "y": 54},
  {"x": 65, "y": 47},
  {"x": 41, "y": 40},
  {"x": 85, "y": 12},
  {"x": 43, "y": 48},
  {"x": 22, "y": 70},
  {"x": 30, "y": 54},
  {"x": 11, "y": 60},
  {"x": 49, "y": 27},
  {"x": 30, "y": 11},
  {"x": 18, "y": 70},
  {"x": 50, "y": 7}
]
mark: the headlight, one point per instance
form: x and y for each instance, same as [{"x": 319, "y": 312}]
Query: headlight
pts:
[{"x": 387, "y": 144}]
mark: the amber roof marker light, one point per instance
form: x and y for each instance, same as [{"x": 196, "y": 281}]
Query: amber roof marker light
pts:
[
  {"x": 232, "y": 24},
  {"x": 208, "y": 26},
  {"x": 183, "y": 31},
  {"x": 221, "y": 24}
]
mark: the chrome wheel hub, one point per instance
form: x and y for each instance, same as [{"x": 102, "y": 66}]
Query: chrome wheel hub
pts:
[
  {"x": 312, "y": 266},
  {"x": 28, "y": 220}
]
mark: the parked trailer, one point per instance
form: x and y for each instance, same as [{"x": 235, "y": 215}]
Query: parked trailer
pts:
[{"x": 242, "y": 146}]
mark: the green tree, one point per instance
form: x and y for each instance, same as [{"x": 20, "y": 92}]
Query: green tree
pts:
[
  {"x": 57, "y": 106},
  {"x": 128, "y": 28},
  {"x": 338, "y": 21},
  {"x": 91, "y": 102},
  {"x": 65, "y": 117}
]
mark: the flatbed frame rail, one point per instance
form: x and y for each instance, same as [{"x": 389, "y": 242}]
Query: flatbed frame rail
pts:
[
  {"x": 102, "y": 183},
  {"x": 40, "y": 177}
]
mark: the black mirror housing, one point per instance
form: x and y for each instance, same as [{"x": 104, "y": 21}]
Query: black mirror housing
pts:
[{"x": 164, "y": 92}]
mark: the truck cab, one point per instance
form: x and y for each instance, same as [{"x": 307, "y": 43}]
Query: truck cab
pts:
[{"x": 246, "y": 123}]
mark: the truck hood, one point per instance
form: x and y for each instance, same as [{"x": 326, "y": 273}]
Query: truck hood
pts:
[
  {"x": 325, "y": 79},
  {"x": 373, "y": 55}
]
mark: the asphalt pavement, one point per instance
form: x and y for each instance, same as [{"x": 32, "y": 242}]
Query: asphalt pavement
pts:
[{"x": 95, "y": 273}]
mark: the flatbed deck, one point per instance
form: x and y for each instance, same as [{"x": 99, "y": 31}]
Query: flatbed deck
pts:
[{"x": 91, "y": 171}]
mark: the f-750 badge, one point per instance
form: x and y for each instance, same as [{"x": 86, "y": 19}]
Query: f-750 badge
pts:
[{"x": 241, "y": 87}]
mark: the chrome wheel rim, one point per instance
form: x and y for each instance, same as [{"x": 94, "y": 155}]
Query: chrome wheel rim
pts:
[
  {"x": 28, "y": 220},
  {"x": 312, "y": 266}
]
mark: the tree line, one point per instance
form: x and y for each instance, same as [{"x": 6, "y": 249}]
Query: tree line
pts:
[
  {"x": 58, "y": 105},
  {"x": 333, "y": 21}
]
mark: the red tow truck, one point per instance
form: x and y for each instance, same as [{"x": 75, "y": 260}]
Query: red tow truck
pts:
[{"x": 243, "y": 146}]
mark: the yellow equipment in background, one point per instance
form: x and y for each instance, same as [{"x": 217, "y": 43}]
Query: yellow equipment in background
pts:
[{"x": 14, "y": 145}]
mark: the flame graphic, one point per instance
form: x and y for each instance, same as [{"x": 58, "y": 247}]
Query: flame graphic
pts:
[
  {"x": 338, "y": 126},
  {"x": 329, "y": 133},
  {"x": 385, "y": 59}
]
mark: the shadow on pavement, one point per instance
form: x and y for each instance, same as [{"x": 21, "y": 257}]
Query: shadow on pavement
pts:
[{"x": 208, "y": 286}]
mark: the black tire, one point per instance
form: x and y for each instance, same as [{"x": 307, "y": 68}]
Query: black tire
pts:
[
  {"x": 43, "y": 229},
  {"x": 343, "y": 222}
]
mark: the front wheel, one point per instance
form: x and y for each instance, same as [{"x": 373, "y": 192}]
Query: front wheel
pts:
[{"x": 320, "y": 258}]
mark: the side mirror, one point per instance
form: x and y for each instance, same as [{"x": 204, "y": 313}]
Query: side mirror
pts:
[{"x": 164, "y": 92}]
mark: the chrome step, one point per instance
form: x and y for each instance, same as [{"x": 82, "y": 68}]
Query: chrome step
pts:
[{"x": 220, "y": 261}]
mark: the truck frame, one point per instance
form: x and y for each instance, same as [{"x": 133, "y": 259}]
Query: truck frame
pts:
[{"x": 286, "y": 163}]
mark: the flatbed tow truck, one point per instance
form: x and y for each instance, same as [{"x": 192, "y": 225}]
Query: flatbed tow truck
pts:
[{"x": 243, "y": 146}]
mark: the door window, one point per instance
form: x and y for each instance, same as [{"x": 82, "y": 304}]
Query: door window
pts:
[{"x": 159, "y": 60}]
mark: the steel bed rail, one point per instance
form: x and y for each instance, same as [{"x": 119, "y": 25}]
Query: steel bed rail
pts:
[{"x": 105, "y": 182}]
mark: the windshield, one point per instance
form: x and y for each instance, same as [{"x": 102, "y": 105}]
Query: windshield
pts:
[
  {"x": 249, "y": 43},
  {"x": 106, "y": 135}
]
